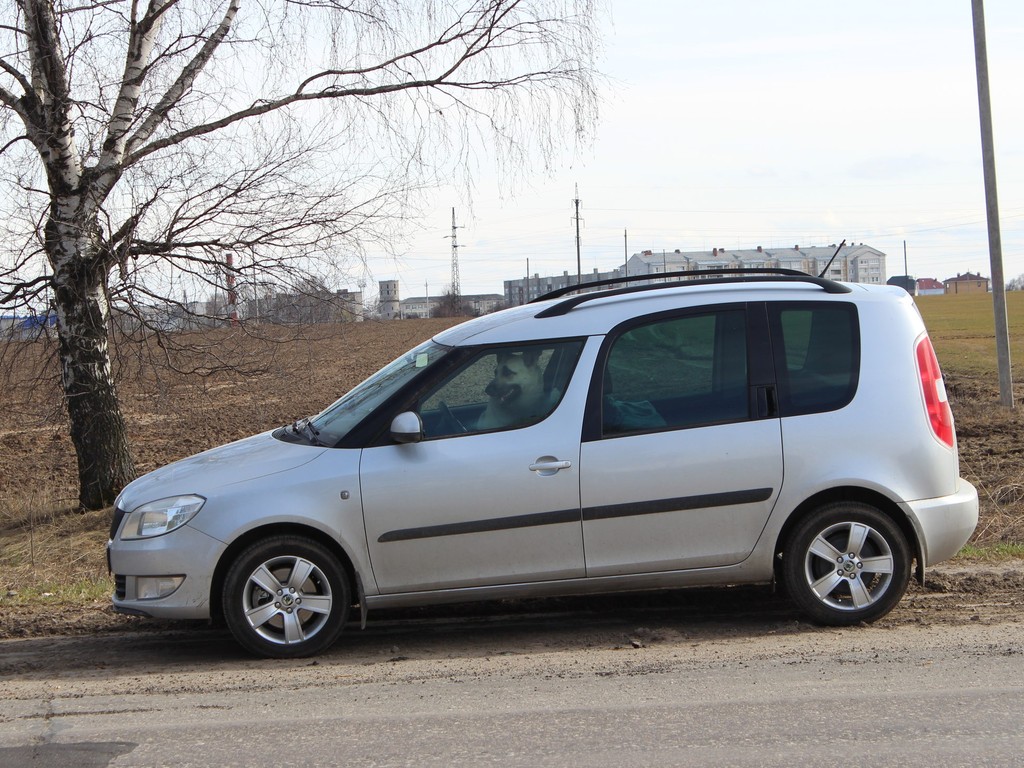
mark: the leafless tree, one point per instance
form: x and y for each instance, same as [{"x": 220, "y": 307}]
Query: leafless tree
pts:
[
  {"x": 145, "y": 140},
  {"x": 451, "y": 305}
]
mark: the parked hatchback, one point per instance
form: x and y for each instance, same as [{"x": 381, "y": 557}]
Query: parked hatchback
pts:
[{"x": 744, "y": 428}]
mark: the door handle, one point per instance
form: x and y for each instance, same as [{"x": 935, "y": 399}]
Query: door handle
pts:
[{"x": 549, "y": 465}]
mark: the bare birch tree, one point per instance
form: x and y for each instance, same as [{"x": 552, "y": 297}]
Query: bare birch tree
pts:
[{"x": 141, "y": 140}]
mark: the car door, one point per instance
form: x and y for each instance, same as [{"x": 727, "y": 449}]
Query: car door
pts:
[
  {"x": 682, "y": 455},
  {"x": 490, "y": 495}
]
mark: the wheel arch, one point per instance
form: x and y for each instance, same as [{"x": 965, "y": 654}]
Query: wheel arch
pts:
[
  {"x": 852, "y": 493},
  {"x": 278, "y": 529}
]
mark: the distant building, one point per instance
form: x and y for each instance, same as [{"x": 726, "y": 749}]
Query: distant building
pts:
[
  {"x": 857, "y": 263},
  {"x": 419, "y": 306},
  {"x": 424, "y": 306},
  {"x": 525, "y": 290},
  {"x": 312, "y": 306},
  {"x": 966, "y": 283},
  {"x": 854, "y": 263},
  {"x": 906, "y": 282},
  {"x": 483, "y": 303},
  {"x": 929, "y": 286},
  {"x": 21, "y": 327},
  {"x": 390, "y": 306}
]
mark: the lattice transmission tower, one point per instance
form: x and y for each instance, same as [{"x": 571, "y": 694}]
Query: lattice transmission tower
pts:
[{"x": 456, "y": 289}]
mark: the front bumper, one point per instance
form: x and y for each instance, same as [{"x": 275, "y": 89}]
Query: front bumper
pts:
[
  {"x": 944, "y": 524},
  {"x": 183, "y": 552}
]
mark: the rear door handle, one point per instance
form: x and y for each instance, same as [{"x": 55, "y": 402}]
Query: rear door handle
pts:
[{"x": 767, "y": 402}]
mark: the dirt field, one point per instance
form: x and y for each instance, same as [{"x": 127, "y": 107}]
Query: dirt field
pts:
[{"x": 52, "y": 557}]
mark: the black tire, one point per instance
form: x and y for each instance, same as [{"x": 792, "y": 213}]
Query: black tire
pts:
[
  {"x": 847, "y": 562},
  {"x": 286, "y": 597}
]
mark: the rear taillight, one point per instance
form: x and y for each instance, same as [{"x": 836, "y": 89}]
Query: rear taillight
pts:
[{"x": 935, "y": 402}]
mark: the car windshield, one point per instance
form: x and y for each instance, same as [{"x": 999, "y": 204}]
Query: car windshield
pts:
[{"x": 335, "y": 421}]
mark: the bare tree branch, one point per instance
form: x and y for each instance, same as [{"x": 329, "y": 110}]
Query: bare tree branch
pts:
[
  {"x": 200, "y": 163},
  {"x": 26, "y": 288}
]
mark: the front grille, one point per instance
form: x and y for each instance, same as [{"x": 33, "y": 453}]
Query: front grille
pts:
[
  {"x": 116, "y": 522},
  {"x": 120, "y": 583}
]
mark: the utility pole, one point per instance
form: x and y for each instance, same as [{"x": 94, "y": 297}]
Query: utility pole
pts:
[
  {"x": 625, "y": 253},
  {"x": 255, "y": 292},
  {"x": 232, "y": 297},
  {"x": 579, "y": 270},
  {"x": 995, "y": 248},
  {"x": 527, "y": 280}
]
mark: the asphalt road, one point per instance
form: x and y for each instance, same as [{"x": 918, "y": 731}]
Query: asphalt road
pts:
[{"x": 551, "y": 688}]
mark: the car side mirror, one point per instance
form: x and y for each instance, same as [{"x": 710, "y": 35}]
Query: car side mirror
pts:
[{"x": 407, "y": 427}]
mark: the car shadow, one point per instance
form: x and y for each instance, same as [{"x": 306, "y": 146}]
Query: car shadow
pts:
[{"x": 470, "y": 629}]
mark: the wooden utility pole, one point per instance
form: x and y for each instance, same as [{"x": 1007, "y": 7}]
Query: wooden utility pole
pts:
[
  {"x": 232, "y": 295},
  {"x": 995, "y": 248},
  {"x": 579, "y": 270}
]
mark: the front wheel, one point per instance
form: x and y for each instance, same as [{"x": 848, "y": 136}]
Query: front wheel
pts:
[
  {"x": 285, "y": 597},
  {"x": 846, "y": 563}
]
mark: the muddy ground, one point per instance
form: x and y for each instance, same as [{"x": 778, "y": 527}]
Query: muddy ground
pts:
[
  {"x": 954, "y": 594},
  {"x": 44, "y": 540}
]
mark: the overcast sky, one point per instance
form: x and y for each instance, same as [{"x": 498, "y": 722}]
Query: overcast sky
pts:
[{"x": 740, "y": 123}]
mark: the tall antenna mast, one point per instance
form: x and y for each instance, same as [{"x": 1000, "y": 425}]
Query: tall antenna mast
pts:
[{"x": 456, "y": 289}]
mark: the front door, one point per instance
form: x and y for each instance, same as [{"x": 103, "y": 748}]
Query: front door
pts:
[{"x": 491, "y": 494}]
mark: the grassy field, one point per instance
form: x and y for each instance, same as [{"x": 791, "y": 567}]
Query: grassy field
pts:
[{"x": 963, "y": 331}]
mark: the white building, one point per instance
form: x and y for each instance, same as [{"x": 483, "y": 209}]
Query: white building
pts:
[
  {"x": 857, "y": 263},
  {"x": 477, "y": 303}
]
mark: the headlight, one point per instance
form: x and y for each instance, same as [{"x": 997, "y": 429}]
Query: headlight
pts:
[{"x": 162, "y": 516}]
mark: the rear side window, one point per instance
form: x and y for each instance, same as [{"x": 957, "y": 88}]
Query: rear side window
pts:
[
  {"x": 677, "y": 372},
  {"x": 817, "y": 355}
]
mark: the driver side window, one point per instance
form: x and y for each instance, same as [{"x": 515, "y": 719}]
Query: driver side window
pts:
[{"x": 499, "y": 388}]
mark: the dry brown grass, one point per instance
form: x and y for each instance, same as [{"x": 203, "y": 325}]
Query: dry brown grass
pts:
[
  {"x": 47, "y": 547},
  {"x": 54, "y": 553},
  {"x": 991, "y": 441}
]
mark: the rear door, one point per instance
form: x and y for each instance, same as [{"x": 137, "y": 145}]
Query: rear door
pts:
[{"x": 681, "y": 461}]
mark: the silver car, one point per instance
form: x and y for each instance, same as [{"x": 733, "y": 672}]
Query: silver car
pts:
[{"x": 744, "y": 428}]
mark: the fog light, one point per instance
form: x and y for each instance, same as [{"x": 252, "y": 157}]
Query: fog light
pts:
[{"x": 154, "y": 587}]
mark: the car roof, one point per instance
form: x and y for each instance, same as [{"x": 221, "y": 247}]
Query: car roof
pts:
[{"x": 604, "y": 310}]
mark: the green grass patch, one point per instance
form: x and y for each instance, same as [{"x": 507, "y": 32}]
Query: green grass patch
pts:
[
  {"x": 992, "y": 552},
  {"x": 57, "y": 593},
  {"x": 962, "y": 329}
]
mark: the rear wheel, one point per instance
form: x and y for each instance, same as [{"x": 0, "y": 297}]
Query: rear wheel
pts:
[
  {"x": 286, "y": 597},
  {"x": 846, "y": 563}
]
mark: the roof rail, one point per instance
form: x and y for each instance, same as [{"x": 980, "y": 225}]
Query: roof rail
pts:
[{"x": 707, "y": 276}]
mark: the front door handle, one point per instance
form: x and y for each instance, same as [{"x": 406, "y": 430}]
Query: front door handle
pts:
[{"x": 549, "y": 465}]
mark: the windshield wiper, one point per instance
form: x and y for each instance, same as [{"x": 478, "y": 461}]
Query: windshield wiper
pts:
[{"x": 300, "y": 426}]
